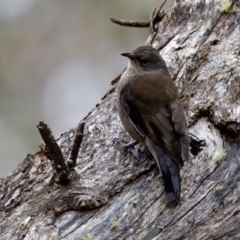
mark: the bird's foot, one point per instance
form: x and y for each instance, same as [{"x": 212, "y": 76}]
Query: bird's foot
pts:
[{"x": 127, "y": 146}]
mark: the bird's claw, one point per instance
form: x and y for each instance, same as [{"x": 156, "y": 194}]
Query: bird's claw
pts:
[{"x": 127, "y": 146}]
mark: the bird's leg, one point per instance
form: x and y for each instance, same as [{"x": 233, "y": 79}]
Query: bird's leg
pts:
[
  {"x": 127, "y": 146},
  {"x": 124, "y": 144},
  {"x": 130, "y": 145}
]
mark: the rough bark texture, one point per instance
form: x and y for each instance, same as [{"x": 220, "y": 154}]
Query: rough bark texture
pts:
[{"x": 112, "y": 195}]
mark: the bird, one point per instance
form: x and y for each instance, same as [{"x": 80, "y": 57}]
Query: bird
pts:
[{"x": 151, "y": 112}]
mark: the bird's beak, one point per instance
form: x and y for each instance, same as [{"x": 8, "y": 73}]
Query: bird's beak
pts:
[{"x": 129, "y": 55}]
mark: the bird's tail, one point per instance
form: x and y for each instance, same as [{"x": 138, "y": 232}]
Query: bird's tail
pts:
[{"x": 170, "y": 172}]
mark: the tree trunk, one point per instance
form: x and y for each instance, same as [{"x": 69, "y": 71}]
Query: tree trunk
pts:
[{"x": 112, "y": 195}]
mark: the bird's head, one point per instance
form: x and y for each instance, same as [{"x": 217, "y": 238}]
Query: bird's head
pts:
[{"x": 145, "y": 59}]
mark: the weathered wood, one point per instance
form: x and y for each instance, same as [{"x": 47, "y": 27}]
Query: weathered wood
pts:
[{"x": 112, "y": 194}]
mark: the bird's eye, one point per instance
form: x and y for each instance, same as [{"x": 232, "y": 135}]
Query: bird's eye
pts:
[{"x": 144, "y": 60}]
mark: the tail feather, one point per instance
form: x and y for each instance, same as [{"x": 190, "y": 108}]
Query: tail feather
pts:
[
  {"x": 171, "y": 176},
  {"x": 170, "y": 172}
]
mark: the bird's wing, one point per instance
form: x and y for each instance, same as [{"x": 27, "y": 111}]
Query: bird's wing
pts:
[{"x": 154, "y": 109}]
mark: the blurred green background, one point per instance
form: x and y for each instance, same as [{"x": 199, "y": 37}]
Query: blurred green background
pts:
[{"x": 57, "y": 60}]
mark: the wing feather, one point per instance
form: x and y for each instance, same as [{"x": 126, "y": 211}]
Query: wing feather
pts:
[{"x": 155, "y": 111}]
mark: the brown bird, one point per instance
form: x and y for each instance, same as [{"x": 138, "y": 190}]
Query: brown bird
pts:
[{"x": 150, "y": 110}]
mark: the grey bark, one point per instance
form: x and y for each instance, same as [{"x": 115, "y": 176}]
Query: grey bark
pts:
[{"x": 112, "y": 195}]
